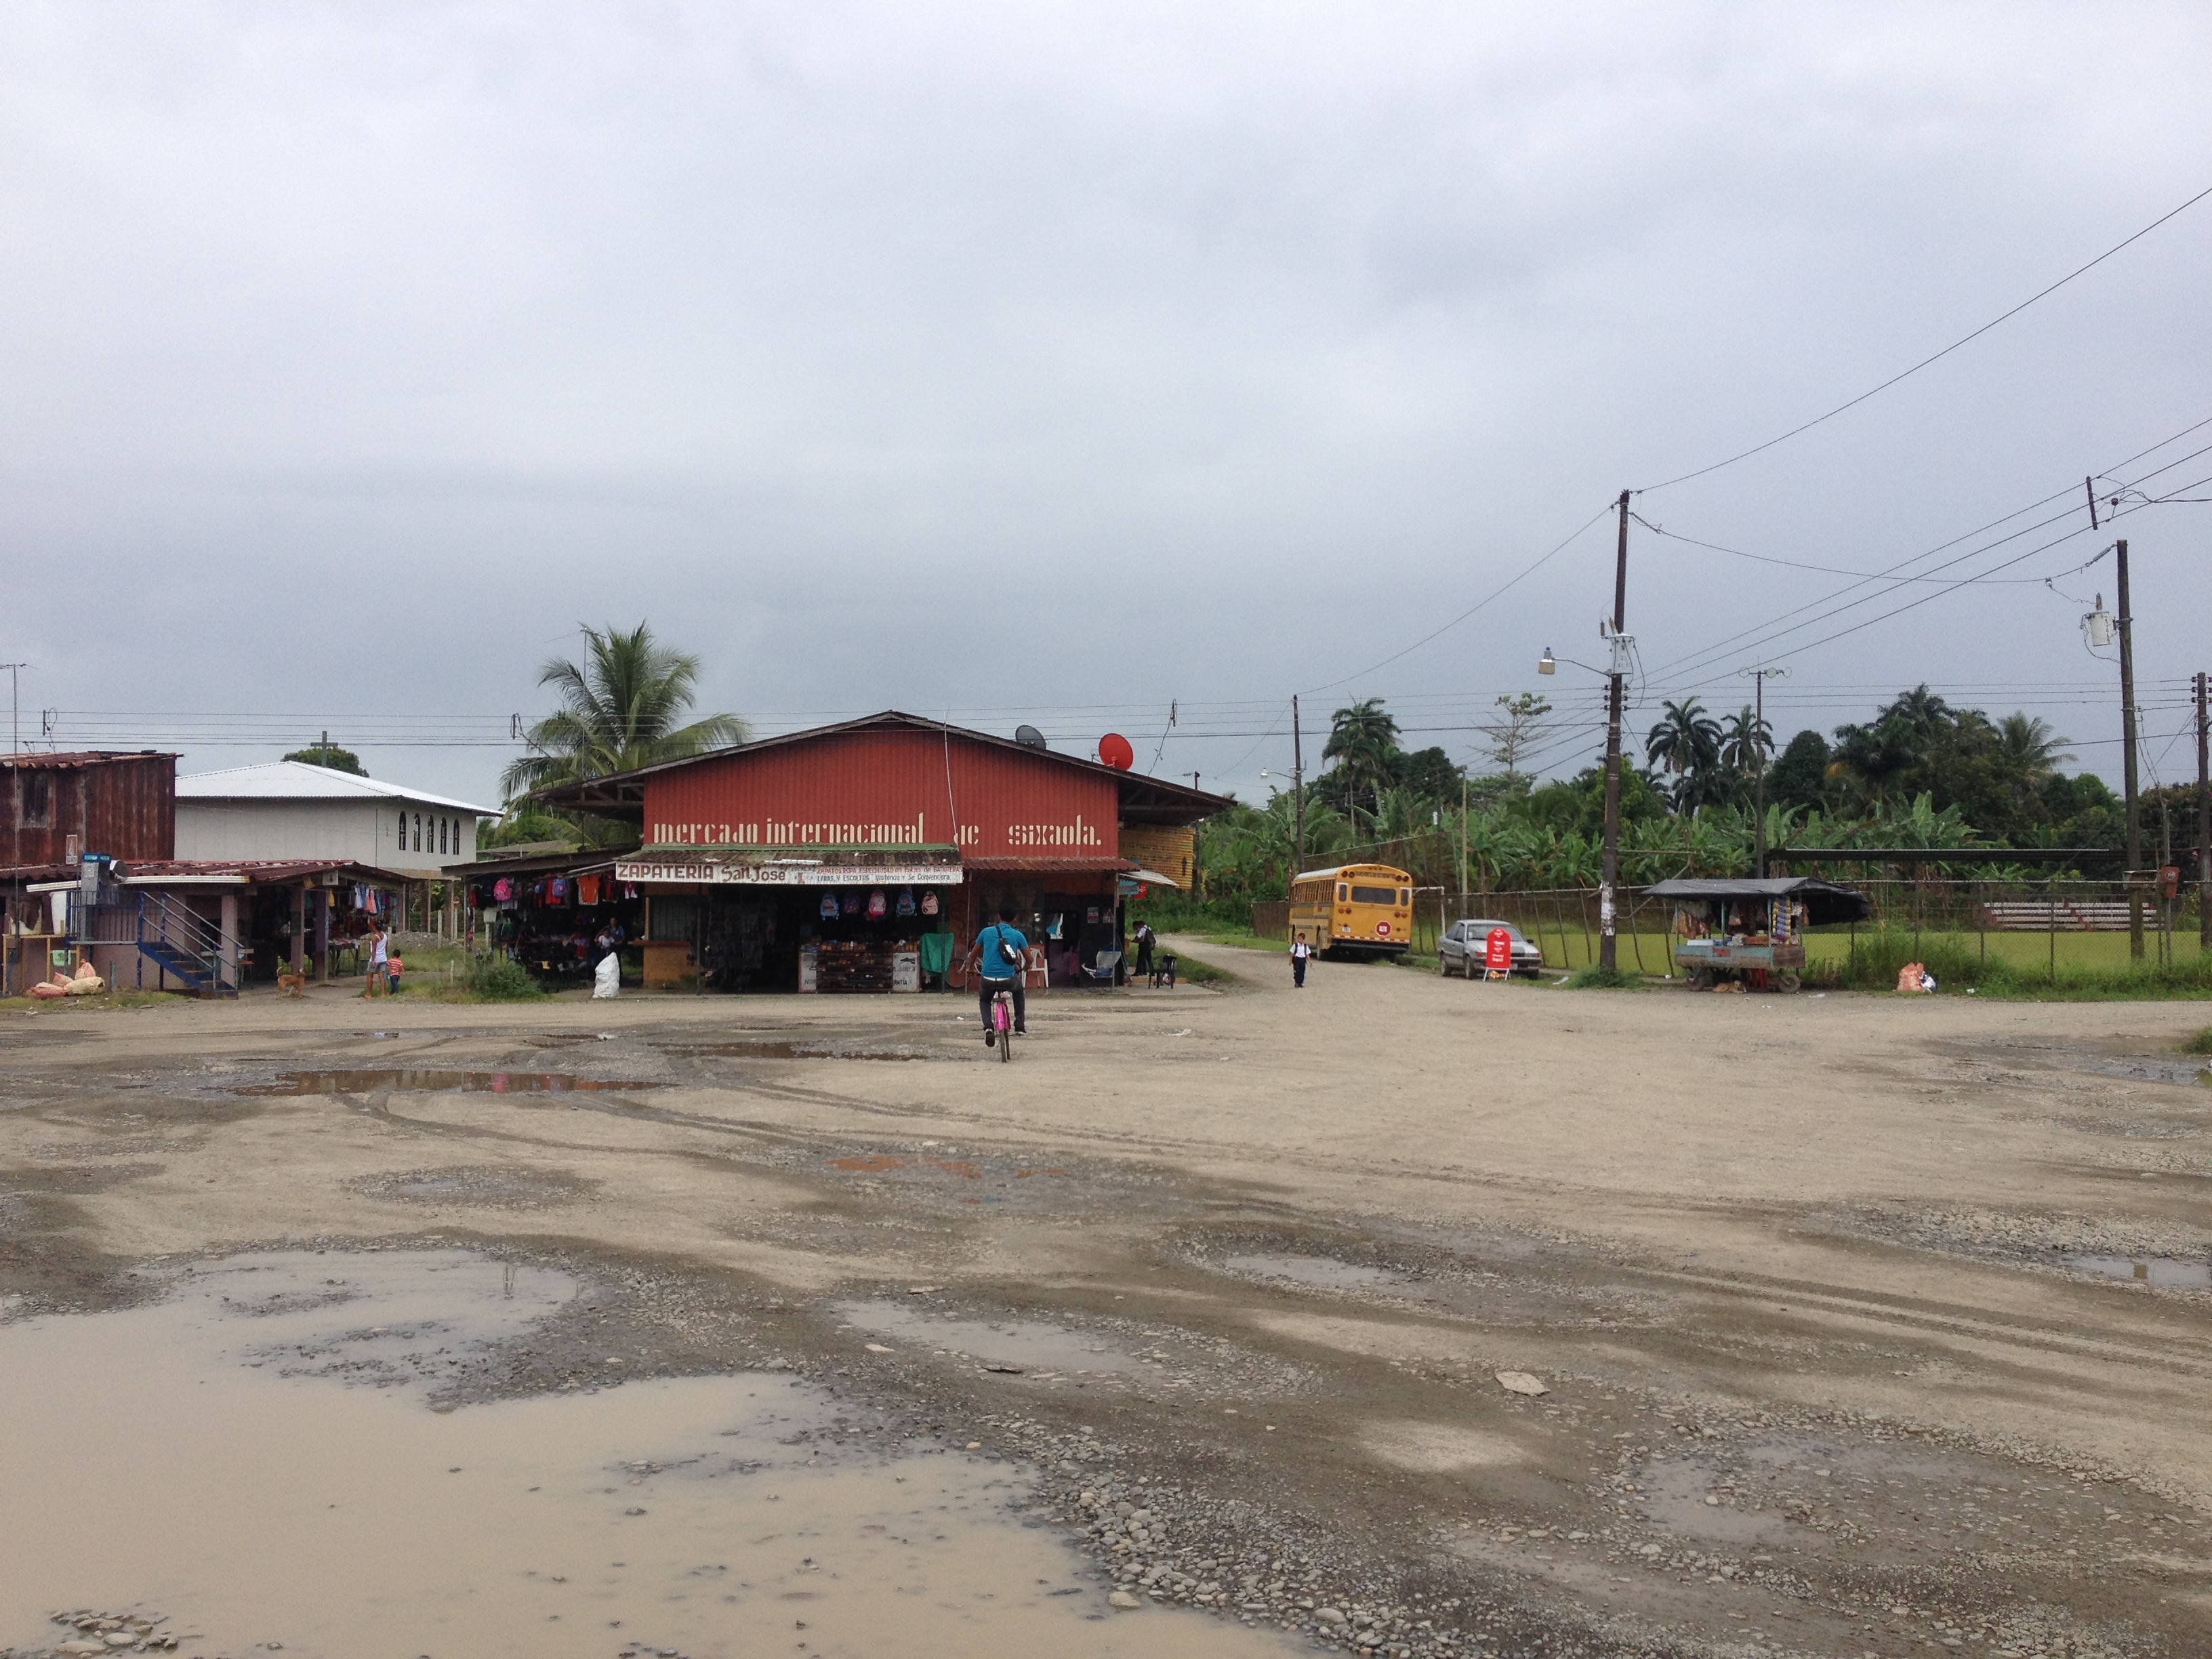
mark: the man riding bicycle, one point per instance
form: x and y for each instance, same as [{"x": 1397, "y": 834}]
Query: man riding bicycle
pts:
[{"x": 1000, "y": 947}]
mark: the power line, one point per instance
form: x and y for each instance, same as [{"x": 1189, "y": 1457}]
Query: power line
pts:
[
  {"x": 1891, "y": 575},
  {"x": 1495, "y": 593},
  {"x": 1964, "y": 339}
]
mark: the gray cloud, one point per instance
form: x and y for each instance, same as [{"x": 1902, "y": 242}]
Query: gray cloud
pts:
[{"x": 1072, "y": 360}]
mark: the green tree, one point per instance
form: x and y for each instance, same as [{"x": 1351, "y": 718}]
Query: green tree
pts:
[
  {"x": 620, "y": 708},
  {"x": 1745, "y": 742},
  {"x": 327, "y": 753},
  {"x": 1513, "y": 731},
  {"x": 1686, "y": 743},
  {"x": 1363, "y": 741},
  {"x": 1797, "y": 778}
]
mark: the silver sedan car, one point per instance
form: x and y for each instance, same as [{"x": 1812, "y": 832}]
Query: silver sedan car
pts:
[{"x": 1463, "y": 947}]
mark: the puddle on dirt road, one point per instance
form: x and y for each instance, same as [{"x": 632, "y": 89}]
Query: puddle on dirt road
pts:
[
  {"x": 1027, "y": 1345},
  {"x": 1322, "y": 1273},
  {"x": 792, "y": 1049},
  {"x": 203, "y": 1458},
  {"x": 415, "y": 1080},
  {"x": 2147, "y": 1270},
  {"x": 2147, "y": 1067}
]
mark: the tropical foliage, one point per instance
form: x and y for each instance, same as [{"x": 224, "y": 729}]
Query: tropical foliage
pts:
[
  {"x": 1919, "y": 774},
  {"x": 621, "y": 707}
]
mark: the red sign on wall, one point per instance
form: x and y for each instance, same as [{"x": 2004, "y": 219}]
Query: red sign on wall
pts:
[{"x": 888, "y": 788}]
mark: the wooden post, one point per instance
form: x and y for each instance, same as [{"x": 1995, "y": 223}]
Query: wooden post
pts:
[{"x": 300, "y": 928}]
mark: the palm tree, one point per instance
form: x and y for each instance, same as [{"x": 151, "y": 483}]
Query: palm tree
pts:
[
  {"x": 2030, "y": 750},
  {"x": 1923, "y": 712},
  {"x": 1362, "y": 739},
  {"x": 618, "y": 710},
  {"x": 1875, "y": 759},
  {"x": 1745, "y": 742},
  {"x": 1686, "y": 743}
]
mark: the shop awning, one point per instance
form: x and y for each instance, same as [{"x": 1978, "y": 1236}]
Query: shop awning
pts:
[
  {"x": 905, "y": 866},
  {"x": 1152, "y": 878}
]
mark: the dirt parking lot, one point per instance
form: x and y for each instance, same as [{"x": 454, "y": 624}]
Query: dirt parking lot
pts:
[{"x": 1827, "y": 1325}]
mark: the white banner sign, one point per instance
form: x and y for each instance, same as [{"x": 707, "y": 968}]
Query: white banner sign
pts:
[{"x": 787, "y": 875}]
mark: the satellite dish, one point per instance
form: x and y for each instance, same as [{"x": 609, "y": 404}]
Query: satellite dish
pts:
[
  {"x": 1029, "y": 737},
  {"x": 1114, "y": 750}
]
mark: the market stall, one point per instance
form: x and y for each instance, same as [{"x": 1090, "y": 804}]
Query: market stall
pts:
[{"x": 1751, "y": 930}]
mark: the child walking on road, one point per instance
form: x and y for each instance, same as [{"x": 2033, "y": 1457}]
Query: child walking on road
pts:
[{"x": 1301, "y": 952}]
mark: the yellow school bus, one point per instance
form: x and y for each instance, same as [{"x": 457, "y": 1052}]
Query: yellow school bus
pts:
[{"x": 1355, "y": 910}]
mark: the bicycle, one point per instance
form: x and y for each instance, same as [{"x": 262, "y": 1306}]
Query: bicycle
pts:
[{"x": 1002, "y": 1023}]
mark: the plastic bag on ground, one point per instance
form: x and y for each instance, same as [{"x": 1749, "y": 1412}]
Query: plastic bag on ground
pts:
[{"x": 607, "y": 978}]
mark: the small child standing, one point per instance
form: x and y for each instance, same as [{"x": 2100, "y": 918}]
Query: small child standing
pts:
[{"x": 397, "y": 968}]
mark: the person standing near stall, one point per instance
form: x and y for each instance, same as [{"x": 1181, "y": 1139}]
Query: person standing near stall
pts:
[
  {"x": 380, "y": 954},
  {"x": 1144, "y": 939}
]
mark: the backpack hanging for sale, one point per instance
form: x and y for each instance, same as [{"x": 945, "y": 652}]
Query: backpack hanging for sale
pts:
[
  {"x": 876, "y": 906},
  {"x": 929, "y": 903},
  {"x": 906, "y": 901},
  {"x": 852, "y": 904},
  {"x": 829, "y": 907}
]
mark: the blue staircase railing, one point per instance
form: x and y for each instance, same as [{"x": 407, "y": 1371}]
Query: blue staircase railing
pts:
[{"x": 167, "y": 933}]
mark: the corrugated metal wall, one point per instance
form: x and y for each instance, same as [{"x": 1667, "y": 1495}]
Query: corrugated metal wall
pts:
[
  {"x": 125, "y": 807},
  {"x": 888, "y": 788}
]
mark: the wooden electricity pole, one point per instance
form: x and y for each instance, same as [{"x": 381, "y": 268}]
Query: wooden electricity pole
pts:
[
  {"x": 1609, "y": 869},
  {"x": 2128, "y": 761},
  {"x": 1298, "y": 793},
  {"x": 2203, "y": 818}
]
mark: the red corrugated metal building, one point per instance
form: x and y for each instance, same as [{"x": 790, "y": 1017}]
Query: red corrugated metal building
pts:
[
  {"x": 821, "y": 858},
  {"x": 57, "y": 806}
]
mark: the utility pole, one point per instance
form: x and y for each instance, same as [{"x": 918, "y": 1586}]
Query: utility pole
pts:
[
  {"x": 1759, "y": 677},
  {"x": 1609, "y": 870},
  {"x": 2128, "y": 761},
  {"x": 2204, "y": 819},
  {"x": 1298, "y": 793},
  {"x": 16, "y": 703},
  {"x": 1463, "y": 844}
]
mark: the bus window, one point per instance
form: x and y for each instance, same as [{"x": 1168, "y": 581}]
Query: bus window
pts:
[
  {"x": 1404, "y": 896},
  {"x": 1374, "y": 895},
  {"x": 1343, "y": 892}
]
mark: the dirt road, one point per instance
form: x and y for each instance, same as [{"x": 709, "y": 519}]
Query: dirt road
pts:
[{"x": 1862, "y": 1325}]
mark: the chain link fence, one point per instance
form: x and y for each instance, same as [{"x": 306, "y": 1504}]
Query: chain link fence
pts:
[{"x": 2087, "y": 923}]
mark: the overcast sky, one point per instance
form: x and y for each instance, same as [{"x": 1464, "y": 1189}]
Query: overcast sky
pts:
[{"x": 1057, "y": 363}]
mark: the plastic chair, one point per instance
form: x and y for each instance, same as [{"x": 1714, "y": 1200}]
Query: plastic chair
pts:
[{"x": 1102, "y": 971}]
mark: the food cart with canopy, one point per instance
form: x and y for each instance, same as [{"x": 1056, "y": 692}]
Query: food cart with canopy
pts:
[{"x": 1751, "y": 927}]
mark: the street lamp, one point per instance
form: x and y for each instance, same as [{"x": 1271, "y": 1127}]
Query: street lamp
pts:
[{"x": 1759, "y": 677}]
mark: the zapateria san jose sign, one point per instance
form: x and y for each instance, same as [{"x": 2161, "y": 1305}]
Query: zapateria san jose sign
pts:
[{"x": 787, "y": 873}]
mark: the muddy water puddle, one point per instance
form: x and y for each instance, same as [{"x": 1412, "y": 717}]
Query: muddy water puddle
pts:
[
  {"x": 802, "y": 1048},
  {"x": 2150, "y": 1068},
  {"x": 203, "y": 1458},
  {"x": 404, "y": 1079},
  {"x": 1320, "y": 1273},
  {"x": 1028, "y": 1345},
  {"x": 2163, "y": 1271}
]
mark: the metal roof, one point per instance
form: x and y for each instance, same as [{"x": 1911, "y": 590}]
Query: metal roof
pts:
[
  {"x": 1824, "y": 901},
  {"x": 297, "y": 780},
  {"x": 29, "y": 761},
  {"x": 622, "y": 793},
  {"x": 153, "y": 872}
]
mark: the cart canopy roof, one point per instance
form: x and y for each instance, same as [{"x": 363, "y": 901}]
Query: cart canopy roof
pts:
[{"x": 1824, "y": 902}]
